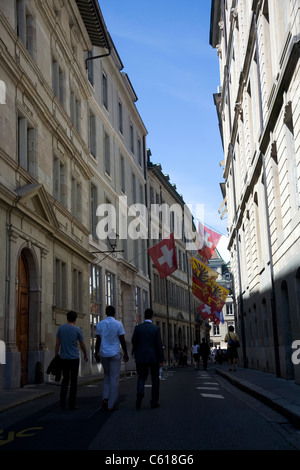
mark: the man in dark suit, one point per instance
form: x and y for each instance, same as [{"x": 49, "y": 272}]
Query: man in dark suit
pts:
[{"x": 149, "y": 356}]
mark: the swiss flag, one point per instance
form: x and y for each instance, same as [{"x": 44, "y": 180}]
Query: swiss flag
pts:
[
  {"x": 163, "y": 255},
  {"x": 208, "y": 241},
  {"x": 205, "y": 311}
]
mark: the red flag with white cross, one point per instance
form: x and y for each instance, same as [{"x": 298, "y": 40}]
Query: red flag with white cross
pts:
[
  {"x": 163, "y": 255},
  {"x": 208, "y": 240},
  {"x": 205, "y": 311}
]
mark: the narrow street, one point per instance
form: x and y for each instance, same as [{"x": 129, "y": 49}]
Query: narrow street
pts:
[{"x": 199, "y": 411}]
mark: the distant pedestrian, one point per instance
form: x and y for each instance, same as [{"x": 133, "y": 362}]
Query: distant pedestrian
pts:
[
  {"x": 149, "y": 356},
  {"x": 184, "y": 355},
  {"x": 196, "y": 355},
  {"x": 233, "y": 342},
  {"x": 176, "y": 354},
  {"x": 180, "y": 352},
  {"x": 109, "y": 334},
  {"x": 219, "y": 356},
  {"x": 67, "y": 338},
  {"x": 204, "y": 352}
]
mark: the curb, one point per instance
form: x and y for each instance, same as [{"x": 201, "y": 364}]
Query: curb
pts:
[{"x": 276, "y": 402}]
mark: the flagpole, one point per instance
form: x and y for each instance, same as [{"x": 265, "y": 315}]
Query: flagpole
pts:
[{"x": 168, "y": 325}]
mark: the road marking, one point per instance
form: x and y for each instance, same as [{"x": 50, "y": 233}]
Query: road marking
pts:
[
  {"x": 207, "y": 388},
  {"x": 211, "y": 395},
  {"x": 11, "y": 435}
]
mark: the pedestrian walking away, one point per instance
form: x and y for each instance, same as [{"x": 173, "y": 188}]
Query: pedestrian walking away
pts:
[
  {"x": 176, "y": 354},
  {"x": 67, "y": 338},
  {"x": 148, "y": 352},
  {"x": 233, "y": 342},
  {"x": 195, "y": 353},
  {"x": 109, "y": 334},
  {"x": 204, "y": 352},
  {"x": 219, "y": 356}
]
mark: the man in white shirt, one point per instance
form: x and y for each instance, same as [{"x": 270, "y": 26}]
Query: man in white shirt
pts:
[{"x": 109, "y": 334}]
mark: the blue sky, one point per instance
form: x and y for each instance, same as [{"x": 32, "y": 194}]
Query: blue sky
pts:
[{"x": 164, "y": 47}]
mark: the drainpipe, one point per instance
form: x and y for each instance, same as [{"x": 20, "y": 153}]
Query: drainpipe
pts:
[{"x": 98, "y": 56}]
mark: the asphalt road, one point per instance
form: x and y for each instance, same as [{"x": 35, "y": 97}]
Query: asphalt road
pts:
[{"x": 199, "y": 411}]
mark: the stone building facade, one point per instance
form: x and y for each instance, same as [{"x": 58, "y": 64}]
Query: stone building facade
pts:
[
  {"x": 258, "y": 107},
  {"x": 71, "y": 142},
  {"x": 172, "y": 300}
]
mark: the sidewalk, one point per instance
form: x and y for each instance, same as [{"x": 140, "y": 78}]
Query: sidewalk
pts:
[
  {"x": 280, "y": 394},
  {"x": 16, "y": 397}
]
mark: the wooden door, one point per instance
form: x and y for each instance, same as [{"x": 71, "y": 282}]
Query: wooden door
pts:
[{"x": 22, "y": 336}]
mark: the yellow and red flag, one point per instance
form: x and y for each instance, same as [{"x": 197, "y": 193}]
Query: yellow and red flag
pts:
[
  {"x": 203, "y": 279},
  {"x": 217, "y": 297}
]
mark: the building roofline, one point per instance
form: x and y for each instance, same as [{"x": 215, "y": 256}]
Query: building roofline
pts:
[
  {"x": 94, "y": 23},
  {"x": 215, "y": 14}
]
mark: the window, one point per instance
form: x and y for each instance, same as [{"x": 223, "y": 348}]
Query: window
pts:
[
  {"x": 109, "y": 288},
  {"x": 131, "y": 139},
  {"x": 122, "y": 174},
  {"x": 92, "y": 134},
  {"x": 58, "y": 81},
  {"x": 26, "y": 145},
  {"x": 104, "y": 91},
  {"x": 145, "y": 300},
  {"x": 291, "y": 151},
  {"x": 60, "y": 284},
  {"x": 95, "y": 291},
  {"x": 229, "y": 309},
  {"x": 134, "y": 199},
  {"x": 120, "y": 117},
  {"x": 106, "y": 154},
  {"x": 75, "y": 110},
  {"x": 76, "y": 199},
  {"x": 139, "y": 151},
  {"x": 138, "y": 305},
  {"x": 59, "y": 181},
  {"x": 26, "y": 27},
  {"x": 141, "y": 194},
  {"x": 93, "y": 208},
  {"x": 216, "y": 329},
  {"x": 90, "y": 67},
  {"x": 77, "y": 290},
  {"x": 95, "y": 300}
]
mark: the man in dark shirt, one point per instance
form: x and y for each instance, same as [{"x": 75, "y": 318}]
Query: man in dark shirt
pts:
[
  {"x": 148, "y": 353},
  {"x": 204, "y": 352}
]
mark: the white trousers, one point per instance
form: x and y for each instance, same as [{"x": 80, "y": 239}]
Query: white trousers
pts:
[{"x": 112, "y": 368}]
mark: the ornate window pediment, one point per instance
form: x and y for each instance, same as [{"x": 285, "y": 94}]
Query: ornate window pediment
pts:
[{"x": 33, "y": 198}]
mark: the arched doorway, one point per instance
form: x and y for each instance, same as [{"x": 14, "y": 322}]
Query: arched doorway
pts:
[{"x": 22, "y": 316}]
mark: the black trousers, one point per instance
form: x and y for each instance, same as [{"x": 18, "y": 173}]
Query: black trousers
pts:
[
  {"x": 69, "y": 369},
  {"x": 142, "y": 370},
  {"x": 205, "y": 360}
]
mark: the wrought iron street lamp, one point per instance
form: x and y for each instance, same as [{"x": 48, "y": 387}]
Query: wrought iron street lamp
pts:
[{"x": 112, "y": 238}]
